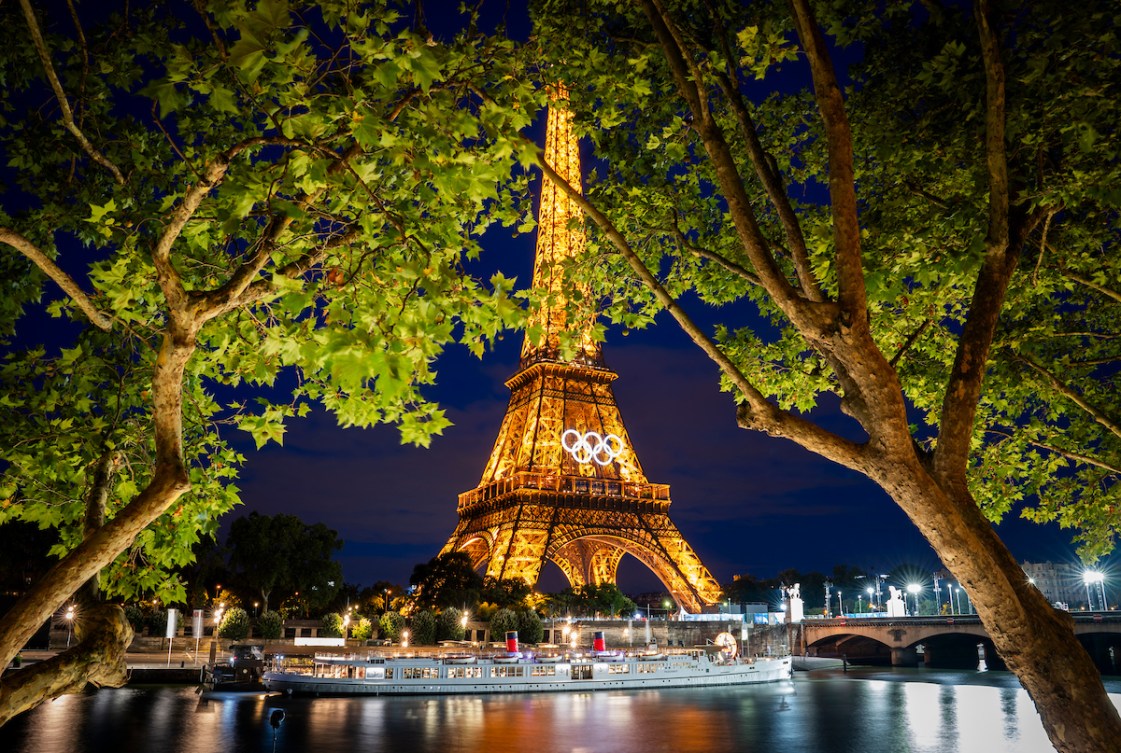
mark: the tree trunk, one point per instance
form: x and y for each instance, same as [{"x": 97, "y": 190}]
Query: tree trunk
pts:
[
  {"x": 99, "y": 658},
  {"x": 1035, "y": 640}
]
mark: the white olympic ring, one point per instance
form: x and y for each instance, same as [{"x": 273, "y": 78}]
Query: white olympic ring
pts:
[{"x": 591, "y": 447}]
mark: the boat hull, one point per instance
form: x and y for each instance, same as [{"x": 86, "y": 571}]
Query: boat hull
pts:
[{"x": 407, "y": 678}]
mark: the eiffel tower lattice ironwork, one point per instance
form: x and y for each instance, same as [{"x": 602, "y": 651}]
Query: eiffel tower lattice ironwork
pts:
[{"x": 563, "y": 483}]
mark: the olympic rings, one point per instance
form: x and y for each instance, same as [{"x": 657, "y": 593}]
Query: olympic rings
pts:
[{"x": 591, "y": 447}]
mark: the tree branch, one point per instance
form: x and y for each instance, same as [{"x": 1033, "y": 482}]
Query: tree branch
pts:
[
  {"x": 814, "y": 319},
  {"x": 851, "y": 292},
  {"x": 63, "y": 280},
  {"x": 1107, "y": 292},
  {"x": 737, "y": 269},
  {"x": 1070, "y": 455},
  {"x": 959, "y": 406},
  {"x": 757, "y": 412},
  {"x": 60, "y": 95},
  {"x": 1094, "y": 412},
  {"x": 909, "y": 342}
]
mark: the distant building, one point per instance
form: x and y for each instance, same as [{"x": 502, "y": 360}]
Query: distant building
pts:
[{"x": 1058, "y": 582}]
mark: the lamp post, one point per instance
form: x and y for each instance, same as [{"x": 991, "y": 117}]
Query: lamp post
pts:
[
  {"x": 463, "y": 624},
  {"x": 859, "y": 603},
  {"x": 953, "y": 606},
  {"x": 869, "y": 591},
  {"x": 404, "y": 639},
  {"x": 828, "y": 598},
  {"x": 69, "y": 623},
  {"x": 385, "y": 603},
  {"x": 914, "y": 588},
  {"x": 1090, "y": 577},
  {"x": 840, "y": 604},
  {"x": 937, "y": 595}
]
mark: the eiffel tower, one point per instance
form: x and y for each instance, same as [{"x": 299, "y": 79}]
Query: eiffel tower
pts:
[{"x": 563, "y": 483}]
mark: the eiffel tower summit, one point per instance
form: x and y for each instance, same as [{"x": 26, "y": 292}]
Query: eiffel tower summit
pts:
[{"x": 563, "y": 483}]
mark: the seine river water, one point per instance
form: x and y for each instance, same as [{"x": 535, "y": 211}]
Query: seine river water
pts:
[{"x": 862, "y": 711}]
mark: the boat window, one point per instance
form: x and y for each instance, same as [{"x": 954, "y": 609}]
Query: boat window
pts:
[
  {"x": 618, "y": 669},
  {"x": 507, "y": 671},
  {"x": 464, "y": 672},
  {"x": 419, "y": 673},
  {"x": 539, "y": 671},
  {"x": 581, "y": 671},
  {"x": 646, "y": 668}
]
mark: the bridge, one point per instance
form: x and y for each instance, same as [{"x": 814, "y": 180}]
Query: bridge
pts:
[{"x": 956, "y": 641}]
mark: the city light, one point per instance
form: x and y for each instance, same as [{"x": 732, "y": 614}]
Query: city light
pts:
[
  {"x": 913, "y": 589},
  {"x": 69, "y": 623},
  {"x": 1094, "y": 577}
]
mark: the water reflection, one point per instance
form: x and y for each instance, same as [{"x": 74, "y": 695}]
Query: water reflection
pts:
[{"x": 917, "y": 712}]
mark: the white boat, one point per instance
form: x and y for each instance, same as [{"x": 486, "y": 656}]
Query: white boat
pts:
[{"x": 387, "y": 675}]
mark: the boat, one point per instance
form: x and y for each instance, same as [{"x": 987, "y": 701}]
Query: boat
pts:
[
  {"x": 241, "y": 673},
  {"x": 375, "y": 675}
]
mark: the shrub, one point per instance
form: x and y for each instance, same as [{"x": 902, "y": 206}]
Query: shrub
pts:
[
  {"x": 530, "y": 629},
  {"x": 502, "y": 621},
  {"x": 448, "y": 625},
  {"x": 361, "y": 629},
  {"x": 269, "y": 624},
  {"x": 135, "y": 617},
  {"x": 157, "y": 623},
  {"x": 391, "y": 625},
  {"x": 235, "y": 624},
  {"x": 332, "y": 625},
  {"x": 424, "y": 628}
]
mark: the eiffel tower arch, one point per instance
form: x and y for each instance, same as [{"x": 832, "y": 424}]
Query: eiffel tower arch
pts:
[{"x": 563, "y": 483}]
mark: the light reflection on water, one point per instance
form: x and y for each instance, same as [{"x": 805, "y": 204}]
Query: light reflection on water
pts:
[{"x": 895, "y": 711}]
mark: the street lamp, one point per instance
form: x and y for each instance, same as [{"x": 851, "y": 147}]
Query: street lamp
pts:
[
  {"x": 840, "y": 604},
  {"x": 1090, "y": 577},
  {"x": 463, "y": 624},
  {"x": 859, "y": 603},
  {"x": 404, "y": 639},
  {"x": 953, "y": 606},
  {"x": 346, "y": 626},
  {"x": 914, "y": 588},
  {"x": 869, "y": 591},
  {"x": 828, "y": 585},
  {"x": 69, "y": 623}
]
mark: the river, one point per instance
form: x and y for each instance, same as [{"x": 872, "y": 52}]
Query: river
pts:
[{"x": 862, "y": 711}]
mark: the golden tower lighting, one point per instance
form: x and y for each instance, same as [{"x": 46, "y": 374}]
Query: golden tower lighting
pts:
[{"x": 563, "y": 483}]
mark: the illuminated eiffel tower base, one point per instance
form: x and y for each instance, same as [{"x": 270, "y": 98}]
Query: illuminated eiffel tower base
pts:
[{"x": 563, "y": 484}]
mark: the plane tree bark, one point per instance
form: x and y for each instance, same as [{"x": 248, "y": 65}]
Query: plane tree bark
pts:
[{"x": 738, "y": 218}]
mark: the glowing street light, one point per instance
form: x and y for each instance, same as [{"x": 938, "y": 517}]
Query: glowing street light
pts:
[
  {"x": 840, "y": 604},
  {"x": 404, "y": 639},
  {"x": 69, "y": 623},
  {"x": 1091, "y": 577},
  {"x": 913, "y": 589},
  {"x": 869, "y": 591}
]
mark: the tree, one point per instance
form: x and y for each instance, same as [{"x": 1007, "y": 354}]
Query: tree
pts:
[
  {"x": 423, "y": 625},
  {"x": 503, "y": 621},
  {"x": 448, "y": 625},
  {"x": 933, "y": 255},
  {"x": 275, "y": 197},
  {"x": 332, "y": 625},
  {"x": 270, "y": 626},
  {"x": 390, "y": 625},
  {"x": 235, "y": 624},
  {"x": 505, "y": 592},
  {"x": 447, "y": 580},
  {"x": 281, "y": 553},
  {"x": 530, "y": 629}
]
